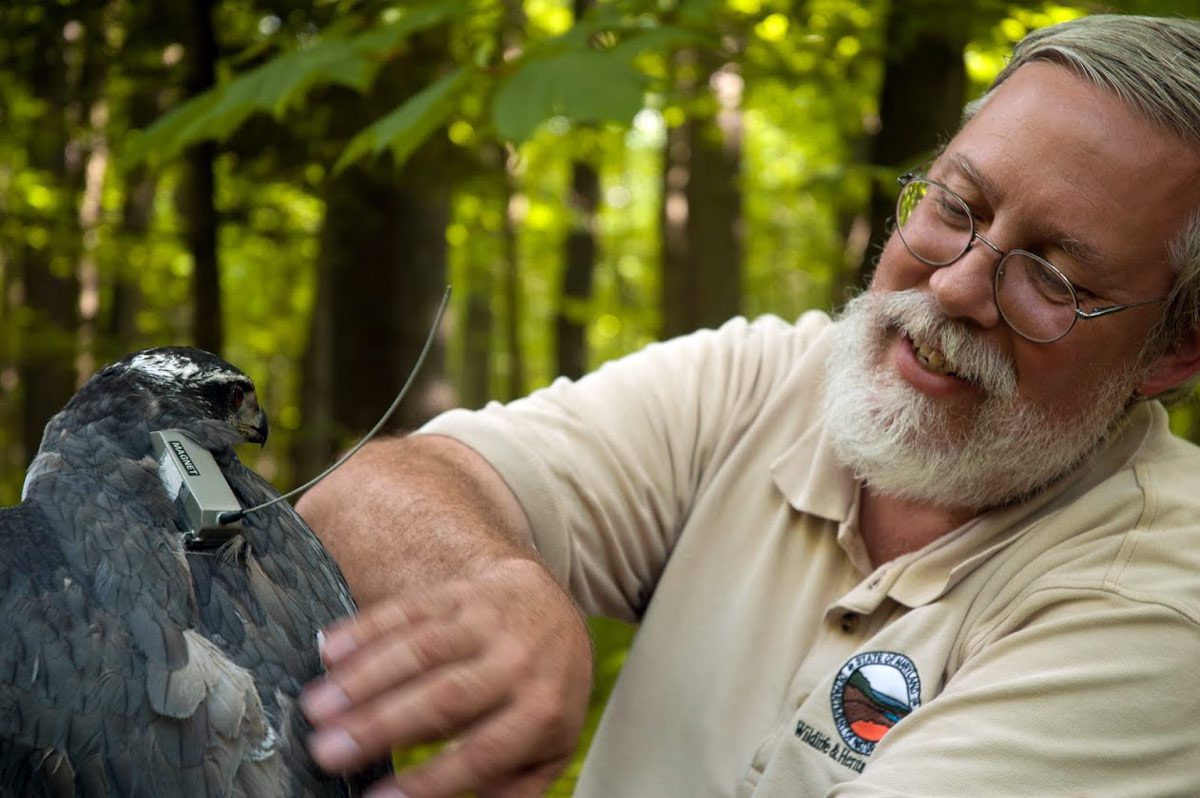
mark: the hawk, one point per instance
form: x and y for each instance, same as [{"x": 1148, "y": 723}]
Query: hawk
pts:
[{"x": 132, "y": 662}]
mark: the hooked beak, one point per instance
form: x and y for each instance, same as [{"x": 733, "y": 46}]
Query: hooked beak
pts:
[
  {"x": 258, "y": 433},
  {"x": 251, "y": 421}
]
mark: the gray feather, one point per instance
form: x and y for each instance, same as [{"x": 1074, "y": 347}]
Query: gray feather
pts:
[{"x": 133, "y": 666}]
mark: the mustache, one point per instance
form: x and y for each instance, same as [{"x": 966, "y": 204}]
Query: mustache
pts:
[{"x": 966, "y": 352}]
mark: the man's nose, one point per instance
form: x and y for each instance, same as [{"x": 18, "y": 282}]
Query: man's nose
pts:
[{"x": 963, "y": 289}]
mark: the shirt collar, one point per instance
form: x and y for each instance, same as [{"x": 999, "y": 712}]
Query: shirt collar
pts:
[
  {"x": 945, "y": 562},
  {"x": 811, "y": 478}
]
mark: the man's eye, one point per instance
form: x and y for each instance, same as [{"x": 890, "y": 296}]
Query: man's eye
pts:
[
  {"x": 1088, "y": 300},
  {"x": 952, "y": 212},
  {"x": 1050, "y": 286}
]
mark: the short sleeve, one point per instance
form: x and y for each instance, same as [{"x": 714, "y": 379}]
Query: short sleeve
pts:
[
  {"x": 1092, "y": 696},
  {"x": 607, "y": 467}
]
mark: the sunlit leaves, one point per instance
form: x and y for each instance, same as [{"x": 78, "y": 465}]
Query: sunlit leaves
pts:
[
  {"x": 282, "y": 82},
  {"x": 590, "y": 74},
  {"x": 548, "y": 17},
  {"x": 585, "y": 85},
  {"x": 404, "y": 129},
  {"x": 660, "y": 39},
  {"x": 772, "y": 28},
  {"x": 587, "y": 73},
  {"x": 986, "y": 56}
]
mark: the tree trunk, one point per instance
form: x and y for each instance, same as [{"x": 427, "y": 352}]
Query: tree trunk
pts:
[
  {"x": 476, "y": 331},
  {"x": 512, "y": 36},
  {"x": 12, "y": 461},
  {"x": 580, "y": 267},
  {"x": 47, "y": 371},
  {"x": 496, "y": 281},
  {"x": 921, "y": 101},
  {"x": 571, "y": 317},
  {"x": 199, "y": 199},
  {"x": 701, "y": 212},
  {"x": 120, "y": 331},
  {"x": 46, "y": 274},
  {"x": 514, "y": 307},
  {"x": 88, "y": 270},
  {"x": 382, "y": 266}
]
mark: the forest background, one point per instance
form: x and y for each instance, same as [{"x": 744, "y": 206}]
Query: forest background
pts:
[{"x": 292, "y": 184}]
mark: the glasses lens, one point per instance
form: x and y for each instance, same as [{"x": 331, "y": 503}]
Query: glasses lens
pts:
[
  {"x": 1034, "y": 299},
  {"x": 935, "y": 225}
]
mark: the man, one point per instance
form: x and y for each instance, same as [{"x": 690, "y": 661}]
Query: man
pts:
[{"x": 943, "y": 546}]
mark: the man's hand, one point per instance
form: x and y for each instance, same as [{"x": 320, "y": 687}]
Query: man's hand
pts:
[{"x": 498, "y": 665}]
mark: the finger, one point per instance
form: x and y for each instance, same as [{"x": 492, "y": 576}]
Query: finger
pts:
[
  {"x": 488, "y": 755},
  {"x": 531, "y": 784},
  {"x": 343, "y": 637},
  {"x": 434, "y": 707},
  {"x": 387, "y": 663}
]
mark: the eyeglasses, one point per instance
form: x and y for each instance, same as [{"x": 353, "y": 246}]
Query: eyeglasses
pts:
[{"x": 1034, "y": 298}]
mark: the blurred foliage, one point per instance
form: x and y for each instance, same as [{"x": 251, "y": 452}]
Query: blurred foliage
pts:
[{"x": 517, "y": 91}]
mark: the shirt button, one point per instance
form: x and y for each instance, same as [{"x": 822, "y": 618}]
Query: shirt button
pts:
[{"x": 850, "y": 621}]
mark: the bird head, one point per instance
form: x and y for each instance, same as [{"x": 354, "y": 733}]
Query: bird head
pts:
[{"x": 189, "y": 389}]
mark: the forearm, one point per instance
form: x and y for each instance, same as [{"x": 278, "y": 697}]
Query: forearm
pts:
[
  {"x": 409, "y": 512},
  {"x": 462, "y": 632}
]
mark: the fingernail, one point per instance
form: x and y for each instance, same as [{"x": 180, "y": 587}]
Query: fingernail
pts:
[
  {"x": 333, "y": 748},
  {"x": 385, "y": 790},
  {"x": 335, "y": 644},
  {"x": 323, "y": 700}
]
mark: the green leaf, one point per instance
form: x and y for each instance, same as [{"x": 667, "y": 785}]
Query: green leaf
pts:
[
  {"x": 404, "y": 129},
  {"x": 699, "y": 12},
  {"x": 414, "y": 20},
  {"x": 583, "y": 85},
  {"x": 662, "y": 40},
  {"x": 283, "y": 82},
  {"x": 172, "y": 132},
  {"x": 271, "y": 87}
]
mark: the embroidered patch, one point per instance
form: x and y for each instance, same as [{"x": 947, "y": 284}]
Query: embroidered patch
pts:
[{"x": 872, "y": 692}]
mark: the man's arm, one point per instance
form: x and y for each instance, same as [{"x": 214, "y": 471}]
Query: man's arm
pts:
[{"x": 463, "y": 634}]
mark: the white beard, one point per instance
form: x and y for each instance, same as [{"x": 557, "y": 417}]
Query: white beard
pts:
[{"x": 909, "y": 446}]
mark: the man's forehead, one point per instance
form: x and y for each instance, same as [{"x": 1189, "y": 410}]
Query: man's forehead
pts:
[
  {"x": 960, "y": 165},
  {"x": 1080, "y": 159},
  {"x": 1055, "y": 103},
  {"x": 958, "y": 168}
]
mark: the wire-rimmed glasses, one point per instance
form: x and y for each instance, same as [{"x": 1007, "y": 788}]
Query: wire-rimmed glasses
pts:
[{"x": 1036, "y": 300}]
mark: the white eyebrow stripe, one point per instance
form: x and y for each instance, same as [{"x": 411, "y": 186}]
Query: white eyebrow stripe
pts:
[{"x": 164, "y": 367}]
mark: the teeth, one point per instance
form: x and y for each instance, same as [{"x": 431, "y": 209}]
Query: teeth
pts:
[{"x": 932, "y": 359}]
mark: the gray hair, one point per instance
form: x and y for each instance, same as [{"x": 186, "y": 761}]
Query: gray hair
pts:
[{"x": 1153, "y": 64}]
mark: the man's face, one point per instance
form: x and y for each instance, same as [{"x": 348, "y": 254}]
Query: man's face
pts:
[{"x": 1058, "y": 167}]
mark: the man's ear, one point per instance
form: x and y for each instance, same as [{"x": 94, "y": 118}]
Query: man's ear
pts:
[{"x": 1172, "y": 368}]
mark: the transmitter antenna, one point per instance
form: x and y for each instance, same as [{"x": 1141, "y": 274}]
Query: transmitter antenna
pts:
[{"x": 235, "y": 516}]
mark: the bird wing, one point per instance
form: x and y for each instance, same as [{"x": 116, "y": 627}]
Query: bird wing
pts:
[
  {"x": 310, "y": 586},
  {"x": 99, "y": 702},
  {"x": 262, "y": 598}
]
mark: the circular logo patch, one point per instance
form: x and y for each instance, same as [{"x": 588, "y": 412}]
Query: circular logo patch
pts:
[{"x": 872, "y": 692}]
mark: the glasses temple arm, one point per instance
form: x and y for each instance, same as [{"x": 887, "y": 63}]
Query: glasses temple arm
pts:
[{"x": 1098, "y": 312}]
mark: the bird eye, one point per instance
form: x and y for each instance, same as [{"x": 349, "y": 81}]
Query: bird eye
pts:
[{"x": 236, "y": 397}]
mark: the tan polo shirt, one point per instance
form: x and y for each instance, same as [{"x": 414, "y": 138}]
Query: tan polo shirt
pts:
[{"x": 1046, "y": 649}]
